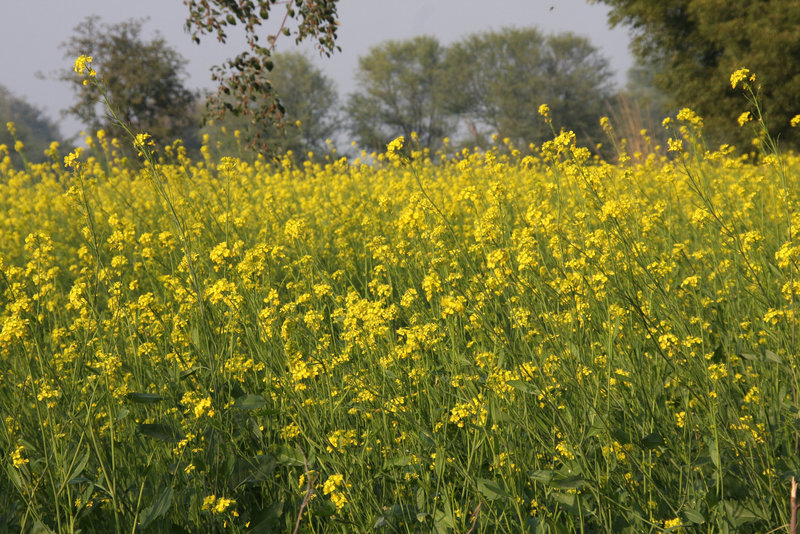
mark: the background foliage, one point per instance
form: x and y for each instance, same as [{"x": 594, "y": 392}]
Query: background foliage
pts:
[
  {"x": 695, "y": 44},
  {"x": 143, "y": 79}
]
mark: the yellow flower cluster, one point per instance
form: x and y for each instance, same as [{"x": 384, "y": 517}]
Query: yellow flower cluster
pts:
[{"x": 217, "y": 505}]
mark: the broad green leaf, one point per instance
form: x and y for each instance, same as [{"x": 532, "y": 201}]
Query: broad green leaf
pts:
[
  {"x": 652, "y": 441},
  {"x": 80, "y": 465},
  {"x": 268, "y": 520},
  {"x": 398, "y": 461},
  {"x": 694, "y": 516},
  {"x": 40, "y": 528},
  {"x": 438, "y": 462},
  {"x": 740, "y": 512},
  {"x": 524, "y": 387},
  {"x": 545, "y": 477},
  {"x": 189, "y": 372},
  {"x": 491, "y": 489},
  {"x": 713, "y": 452},
  {"x": 160, "y": 432},
  {"x": 158, "y": 508},
  {"x": 426, "y": 438},
  {"x": 772, "y": 357},
  {"x": 250, "y": 402},
  {"x": 568, "y": 483},
  {"x": 289, "y": 456},
  {"x": 443, "y": 521},
  {"x": 421, "y": 500},
  {"x": 252, "y": 470}
]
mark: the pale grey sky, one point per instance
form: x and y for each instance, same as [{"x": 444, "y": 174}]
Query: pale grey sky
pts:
[{"x": 31, "y": 32}]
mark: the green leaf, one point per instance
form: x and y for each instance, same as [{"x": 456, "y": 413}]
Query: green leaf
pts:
[
  {"x": 568, "y": 483},
  {"x": 80, "y": 465},
  {"x": 189, "y": 372},
  {"x": 740, "y": 512},
  {"x": 250, "y": 402},
  {"x": 160, "y": 432},
  {"x": 249, "y": 471},
  {"x": 438, "y": 462},
  {"x": 399, "y": 461},
  {"x": 713, "y": 452},
  {"x": 571, "y": 501},
  {"x": 694, "y": 516},
  {"x": 40, "y": 528},
  {"x": 144, "y": 398},
  {"x": 159, "y": 508},
  {"x": 427, "y": 439},
  {"x": 323, "y": 508},
  {"x": 491, "y": 489},
  {"x": 290, "y": 457},
  {"x": 421, "y": 498},
  {"x": 652, "y": 441},
  {"x": 522, "y": 386},
  {"x": 267, "y": 521},
  {"x": 443, "y": 521},
  {"x": 545, "y": 477},
  {"x": 772, "y": 357},
  {"x": 718, "y": 355}
]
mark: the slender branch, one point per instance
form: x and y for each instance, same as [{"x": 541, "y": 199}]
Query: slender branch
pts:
[
  {"x": 793, "y": 520},
  {"x": 475, "y": 515},
  {"x": 309, "y": 492},
  {"x": 274, "y": 38}
]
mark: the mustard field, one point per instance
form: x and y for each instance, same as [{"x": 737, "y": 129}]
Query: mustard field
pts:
[{"x": 402, "y": 342}]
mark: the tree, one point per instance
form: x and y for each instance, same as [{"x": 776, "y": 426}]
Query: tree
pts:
[
  {"x": 142, "y": 79},
  {"x": 499, "y": 79},
  {"x": 244, "y": 84},
  {"x": 400, "y": 90},
  {"x": 697, "y": 44},
  {"x": 31, "y": 126},
  {"x": 310, "y": 100}
]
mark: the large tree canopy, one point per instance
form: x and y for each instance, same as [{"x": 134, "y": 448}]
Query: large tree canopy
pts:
[
  {"x": 499, "y": 79},
  {"x": 697, "y": 44},
  {"x": 400, "y": 91},
  {"x": 142, "y": 78}
]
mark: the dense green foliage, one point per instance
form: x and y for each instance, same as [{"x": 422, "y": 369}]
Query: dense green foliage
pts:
[
  {"x": 400, "y": 90},
  {"x": 499, "y": 79},
  {"x": 696, "y": 43},
  {"x": 310, "y": 117},
  {"x": 143, "y": 79}
]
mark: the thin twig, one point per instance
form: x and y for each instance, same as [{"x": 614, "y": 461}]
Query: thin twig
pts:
[
  {"x": 280, "y": 30},
  {"x": 475, "y": 515},
  {"x": 309, "y": 492},
  {"x": 793, "y": 501}
]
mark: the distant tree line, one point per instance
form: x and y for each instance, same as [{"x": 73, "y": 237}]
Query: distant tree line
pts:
[
  {"x": 28, "y": 126},
  {"x": 487, "y": 83}
]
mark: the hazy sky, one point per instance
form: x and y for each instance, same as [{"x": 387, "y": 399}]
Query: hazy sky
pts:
[{"x": 31, "y": 33}]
